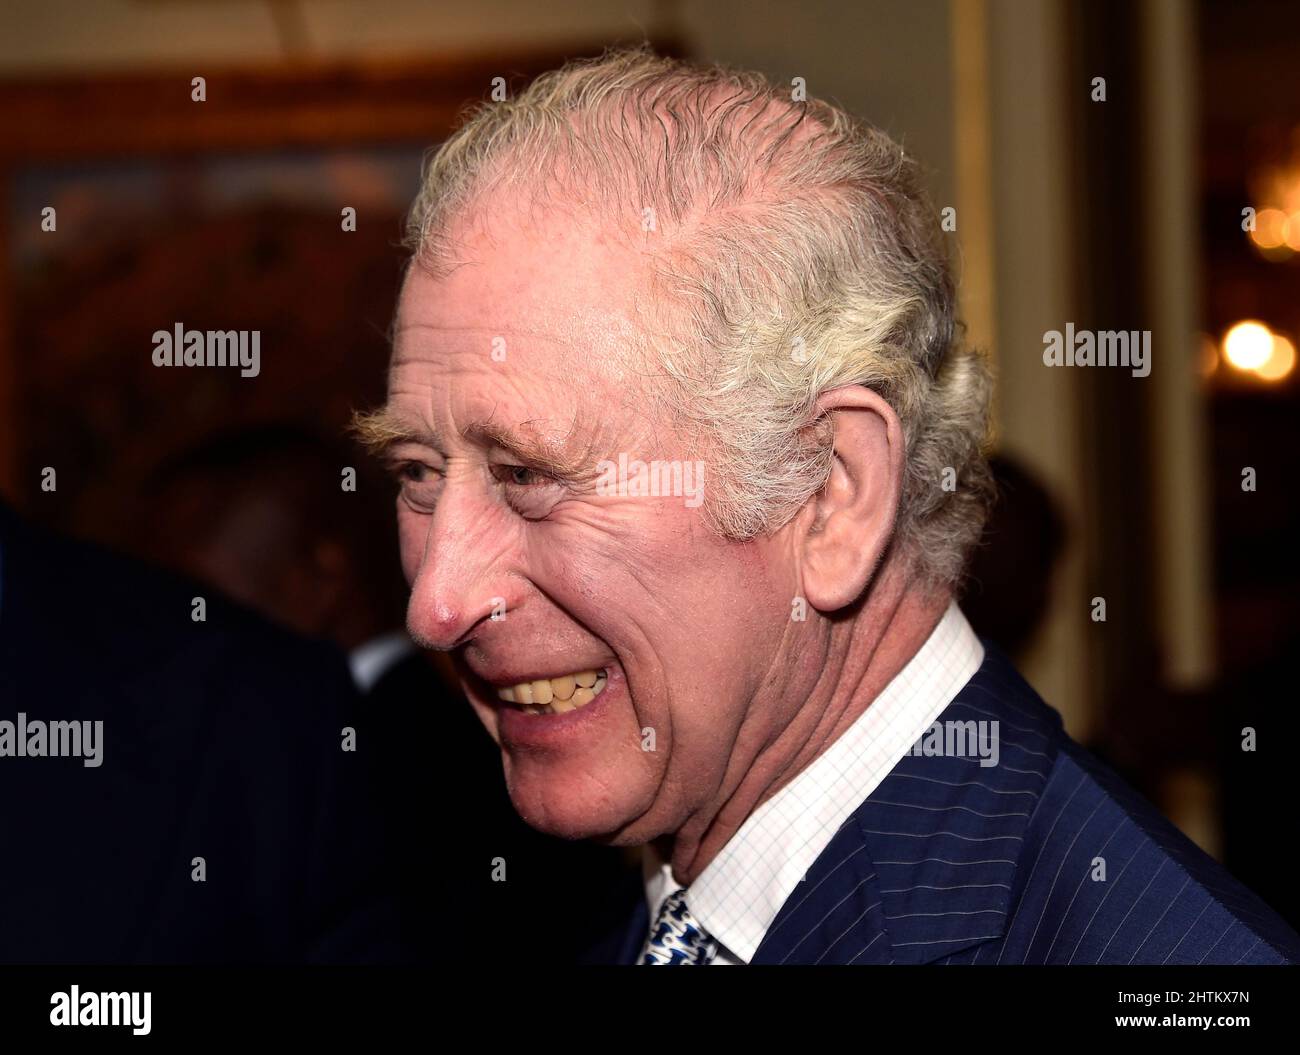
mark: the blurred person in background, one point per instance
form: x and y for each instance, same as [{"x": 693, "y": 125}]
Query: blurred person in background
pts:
[
  {"x": 219, "y": 821},
  {"x": 1009, "y": 583}
]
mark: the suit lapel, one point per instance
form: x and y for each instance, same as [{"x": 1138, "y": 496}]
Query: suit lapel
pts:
[
  {"x": 835, "y": 915},
  {"x": 926, "y": 866}
]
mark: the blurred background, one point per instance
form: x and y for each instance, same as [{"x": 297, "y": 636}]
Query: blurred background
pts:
[{"x": 1164, "y": 196}]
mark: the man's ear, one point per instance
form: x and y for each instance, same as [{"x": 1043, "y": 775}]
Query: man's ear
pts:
[{"x": 844, "y": 532}]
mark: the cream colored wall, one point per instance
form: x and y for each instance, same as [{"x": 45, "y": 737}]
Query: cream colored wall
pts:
[
  {"x": 1038, "y": 412},
  {"x": 1180, "y": 464}
]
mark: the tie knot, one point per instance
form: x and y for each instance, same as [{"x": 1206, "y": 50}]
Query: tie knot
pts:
[{"x": 677, "y": 937}]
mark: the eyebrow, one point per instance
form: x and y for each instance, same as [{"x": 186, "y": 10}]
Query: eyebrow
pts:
[
  {"x": 536, "y": 452},
  {"x": 378, "y": 431},
  {"x": 381, "y": 430}
]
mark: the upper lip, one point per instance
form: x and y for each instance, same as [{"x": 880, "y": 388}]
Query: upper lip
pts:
[{"x": 500, "y": 679}]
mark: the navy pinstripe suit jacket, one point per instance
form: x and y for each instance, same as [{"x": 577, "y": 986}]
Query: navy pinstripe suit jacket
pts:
[{"x": 951, "y": 862}]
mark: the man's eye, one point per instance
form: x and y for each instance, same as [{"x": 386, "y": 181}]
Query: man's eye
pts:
[
  {"x": 529, "y": 492},
  {"x": 519, "y": 476},
  {"x": 413, "y": 472},
  {"x": 419, "y": 483}
]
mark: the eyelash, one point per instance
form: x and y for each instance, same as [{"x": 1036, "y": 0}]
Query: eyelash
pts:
[
  {"x": 406, "y": 471},
  {"x": 503, "y": 474},
  {"x": 412, "y": 474},
  {"x": 412, "y": 471}
]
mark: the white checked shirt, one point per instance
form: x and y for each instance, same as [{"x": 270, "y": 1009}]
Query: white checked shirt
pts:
[{"x": 738, "y": 895}]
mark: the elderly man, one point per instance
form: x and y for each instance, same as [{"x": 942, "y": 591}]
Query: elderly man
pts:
[{"x": 641, "y": 284}]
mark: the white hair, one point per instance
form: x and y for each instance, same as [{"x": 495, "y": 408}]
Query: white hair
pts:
[{"x": 797, "y": 250}]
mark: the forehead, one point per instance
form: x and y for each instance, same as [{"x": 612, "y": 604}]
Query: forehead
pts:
[
  {"x": 537, "y": 322},
  {"x": 557, "y": 290}
]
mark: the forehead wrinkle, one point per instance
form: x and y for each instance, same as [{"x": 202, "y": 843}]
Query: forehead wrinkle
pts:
[
  {"x": 447, "y": 328},
  {"x": 402, "y": 353}
]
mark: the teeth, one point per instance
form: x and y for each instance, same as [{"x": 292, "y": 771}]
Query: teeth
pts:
[{"x": 556, "y": 695}]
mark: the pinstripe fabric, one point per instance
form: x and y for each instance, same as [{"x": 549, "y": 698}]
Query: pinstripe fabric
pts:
[
  {"x": 739, "y": 894},
  {"x": 951, "y": 862}
]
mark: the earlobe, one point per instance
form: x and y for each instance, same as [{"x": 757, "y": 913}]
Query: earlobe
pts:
[{"x": 852, "y": 518}]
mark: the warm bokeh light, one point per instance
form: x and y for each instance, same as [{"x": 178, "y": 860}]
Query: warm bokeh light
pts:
[
  {"x": 1255, "y": 350},
  {"x": 1248, "y": 345},
  {"x": 1270, "y": 229},
  {"x": 1281, "y": 360},
  {"x": 1291, "y": 232}
]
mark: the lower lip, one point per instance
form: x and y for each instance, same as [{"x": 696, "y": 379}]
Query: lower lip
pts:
[{"x": 518, "y": 729}]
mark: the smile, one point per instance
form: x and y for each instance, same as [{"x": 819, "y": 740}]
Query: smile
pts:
[{"x": 556, "y": 695}]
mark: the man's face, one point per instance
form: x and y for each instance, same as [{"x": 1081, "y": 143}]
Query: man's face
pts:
[{"x": 515, "y": 375}]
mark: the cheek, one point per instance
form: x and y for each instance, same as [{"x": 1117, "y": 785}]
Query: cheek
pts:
[{"x": 679, "y": 607}]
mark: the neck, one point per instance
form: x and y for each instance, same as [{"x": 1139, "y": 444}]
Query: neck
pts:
[{"x": 855, "y": 659}]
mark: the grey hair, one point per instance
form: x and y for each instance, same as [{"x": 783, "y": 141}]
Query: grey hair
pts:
[{"x": 797, "y": 248}]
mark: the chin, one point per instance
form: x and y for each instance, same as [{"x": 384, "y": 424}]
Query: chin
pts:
[{"x": 575, "y": 805}]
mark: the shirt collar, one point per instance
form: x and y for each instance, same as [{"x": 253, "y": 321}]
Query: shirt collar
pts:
[
  {"x": 376, "y": 657},
  {"x": 739, "y": 894}
]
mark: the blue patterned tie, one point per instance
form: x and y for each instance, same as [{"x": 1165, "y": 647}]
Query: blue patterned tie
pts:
[{"x": 677, "y": 937}]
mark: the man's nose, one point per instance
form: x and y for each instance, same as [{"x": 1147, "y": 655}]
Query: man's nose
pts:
[{"x": 462, "y": 581}]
